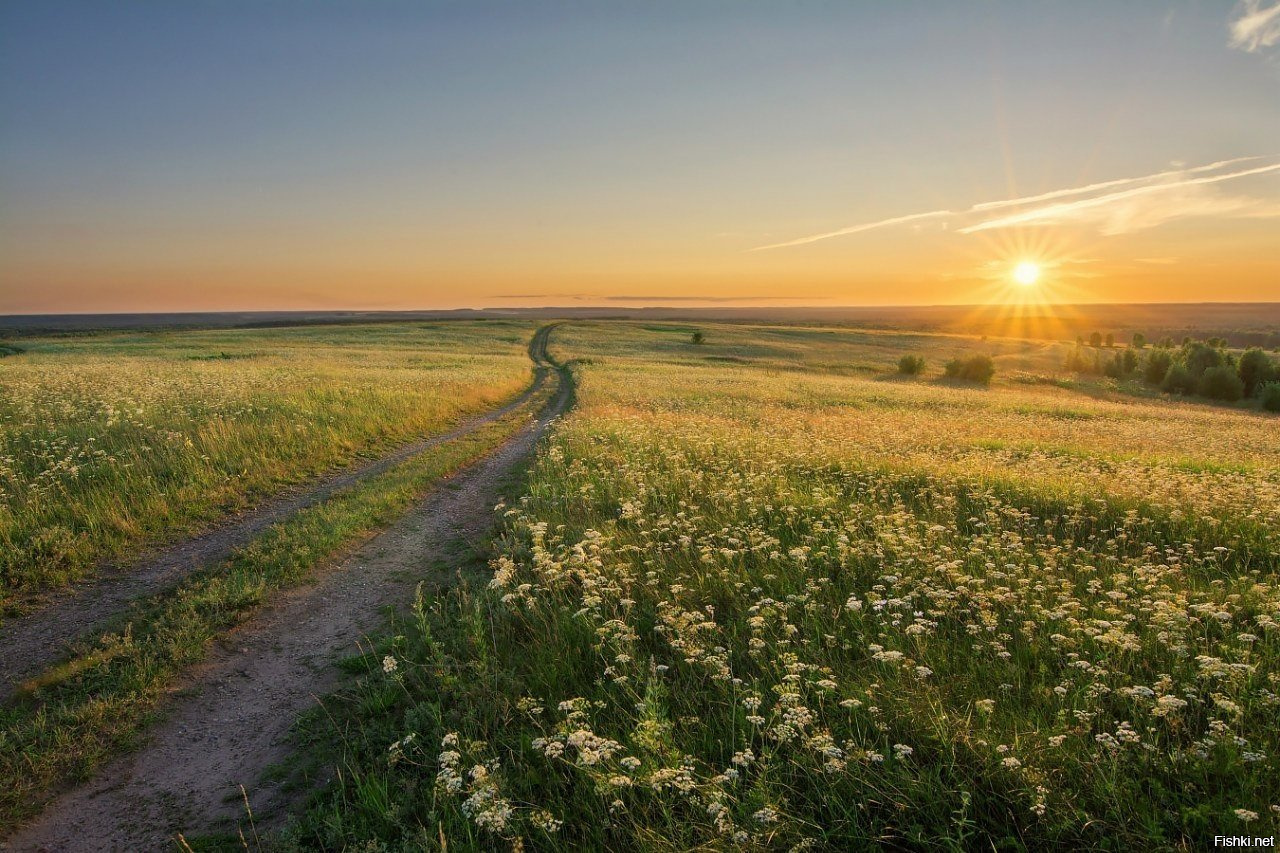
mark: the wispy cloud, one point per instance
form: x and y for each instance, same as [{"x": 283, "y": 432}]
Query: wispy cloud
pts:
[
  {"x": 1254, "y": 26},
  {"x": 1113, "y": 207},
  {"x": 1139, "y": 207}
]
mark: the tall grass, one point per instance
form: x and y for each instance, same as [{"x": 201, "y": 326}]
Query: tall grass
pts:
[
  {"x": 110, "y": 442},
  {"x": 741, "y": 609}
]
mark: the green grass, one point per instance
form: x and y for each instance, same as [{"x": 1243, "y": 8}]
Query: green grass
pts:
[
  {"x": 82, "y": 713},
  {"x": 936, "y": 618},
  {"x": 111, "y": 443}
]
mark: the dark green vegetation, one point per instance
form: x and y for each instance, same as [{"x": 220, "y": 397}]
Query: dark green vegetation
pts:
[
  {"x": 975, "y": 368},
  {"x": 911, "y": 365},
  {"x": 1204, "y": 368}
]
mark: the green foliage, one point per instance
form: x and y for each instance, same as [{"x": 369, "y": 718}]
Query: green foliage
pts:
[
  {"x": 1138, "y": 341},
  {"x": 1221, "y": 383},
  {"x": 975, "y": 368},
  {"x": 1255, "y": 369},
  {"x": 1178, "y": 380},
  {"x": 911, "y": 365},
  {"x": 1198, "y": 356},
  {"x": 698, "y": 337},
  {"x": 1269, "y": 394}
]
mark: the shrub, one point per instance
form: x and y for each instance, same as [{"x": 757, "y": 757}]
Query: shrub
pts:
[
  {"x": 1080, "y": 361},
  {"x": 698, "y": 337},
  {"x": 1129, "y": 362},
  {"x": 1270, "y": 396},
  {"x": 1255, "y": 370},
  {"x": 1178, "y": 380},
  {"x": 1139, "y": 340},
  {"x": 977, "y": 368},
  {"x": 1095, "y": 340},
  {"x": 1221, "y": 383},
  {"x": 1199, "y": 357},
  {"x": 911, "y": 365},
  {"x": 1157, "y": 367}
]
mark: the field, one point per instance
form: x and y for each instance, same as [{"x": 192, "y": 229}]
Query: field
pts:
[
  {"x": 763, "y": 593},
  {"x": 115, "y": 441},
  {"x": 757, "y": 588}
]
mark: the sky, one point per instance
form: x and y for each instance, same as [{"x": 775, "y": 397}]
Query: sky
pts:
[{"x": 234, "y": 155}]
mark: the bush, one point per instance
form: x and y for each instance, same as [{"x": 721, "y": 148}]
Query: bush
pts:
[
  {"x": 1139, "y": 340},
  {"x": 911, "y": 365},
  {"x": 977, "y": 368},
  {"x": 1255, "y": 370},
  {"x": 1221, "y": 383},
  {"x": 1199, "y": 357},
  {"x": 1157, "y": 367},
  {"x": 1178, "y": 380},
  {"x": 1270, "y": 396},
  {"x": 698, "y": 337}
]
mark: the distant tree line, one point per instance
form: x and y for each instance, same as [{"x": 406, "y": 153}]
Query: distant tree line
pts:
[{"x": 1204, "y": 368}]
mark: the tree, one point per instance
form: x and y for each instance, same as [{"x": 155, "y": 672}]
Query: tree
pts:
[
  {"x": 1157, "y": 367},
  {"x": 1111, "y": 340},
  {"x": 1139, "y": 340},
  {"x": 1255, "y": 369},
  {"x": 1269, "y": 394},
  {"x": 1221, "y": 383},
  {"x": 911, "y": 365},
  {"x": 1095, "y": 340},
  {"x": 1199, "y": 357},
  {"x": 1129, "y": 363},
  {"x": 698, "y": 337},
  {"x": 1178, "y": 381}
]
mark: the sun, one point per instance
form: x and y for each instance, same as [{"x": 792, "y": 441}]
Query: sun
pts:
[{"x": 1026, "y": 273}]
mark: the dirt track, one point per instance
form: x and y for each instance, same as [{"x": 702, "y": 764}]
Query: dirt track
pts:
[
  {"x": 30, "y": 644},
  {"x": 233, "y": 721}
]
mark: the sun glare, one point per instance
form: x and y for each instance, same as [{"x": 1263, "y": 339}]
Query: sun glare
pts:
[{"x": 1026, "y": 273}]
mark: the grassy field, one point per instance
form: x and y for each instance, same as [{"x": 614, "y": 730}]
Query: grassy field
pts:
[
  {"x": 763, "y": 593},
  {"x": 113, "y": 441}
]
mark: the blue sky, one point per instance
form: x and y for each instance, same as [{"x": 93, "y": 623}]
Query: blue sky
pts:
[{"x": 162, "y": 156}]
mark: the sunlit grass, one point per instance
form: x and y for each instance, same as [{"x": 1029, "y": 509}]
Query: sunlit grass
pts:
[
  {"x": 109, "y": 442},
  {"x": 769, "y": 603}
]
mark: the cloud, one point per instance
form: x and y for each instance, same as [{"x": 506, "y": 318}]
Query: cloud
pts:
[
  {"x": 1255, "y": 27},
  {"x": 856, "y": 229},
  {"x": 1113, "y": 207},
  {"x": 1139, "y": 207}
]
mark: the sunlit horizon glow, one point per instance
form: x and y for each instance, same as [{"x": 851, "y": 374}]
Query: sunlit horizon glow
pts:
[{"x": 271, "y": 156}]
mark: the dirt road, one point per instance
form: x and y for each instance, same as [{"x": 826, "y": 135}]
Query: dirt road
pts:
[
  {"x": 31, "y": 644},
  {"x": 233, "y": 720}
]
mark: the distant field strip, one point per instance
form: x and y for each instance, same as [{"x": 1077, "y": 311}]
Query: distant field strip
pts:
[
  {"x": 30, "y": 643},
  {"x": 752, "y": 600},
  {"x": 113, "y": 443}
]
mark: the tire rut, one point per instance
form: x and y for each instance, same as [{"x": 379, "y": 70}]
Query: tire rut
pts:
[
  {"x": 233, "y": 721},
  {"x": 32, "y": 643}
]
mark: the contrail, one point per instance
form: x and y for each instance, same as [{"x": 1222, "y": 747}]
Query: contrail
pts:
[{"x": 987, "y": 206}]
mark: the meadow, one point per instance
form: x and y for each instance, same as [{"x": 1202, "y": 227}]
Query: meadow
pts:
[
  {"x": 112, "y": 442},
  {"x": 764, "y": 593}
]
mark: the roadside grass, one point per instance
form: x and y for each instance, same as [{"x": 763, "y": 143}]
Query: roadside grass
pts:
[
  {"x": 75, "y": 717},
  {"x": 739, "y": 608},
  {"x": 110, "y": 443}
]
